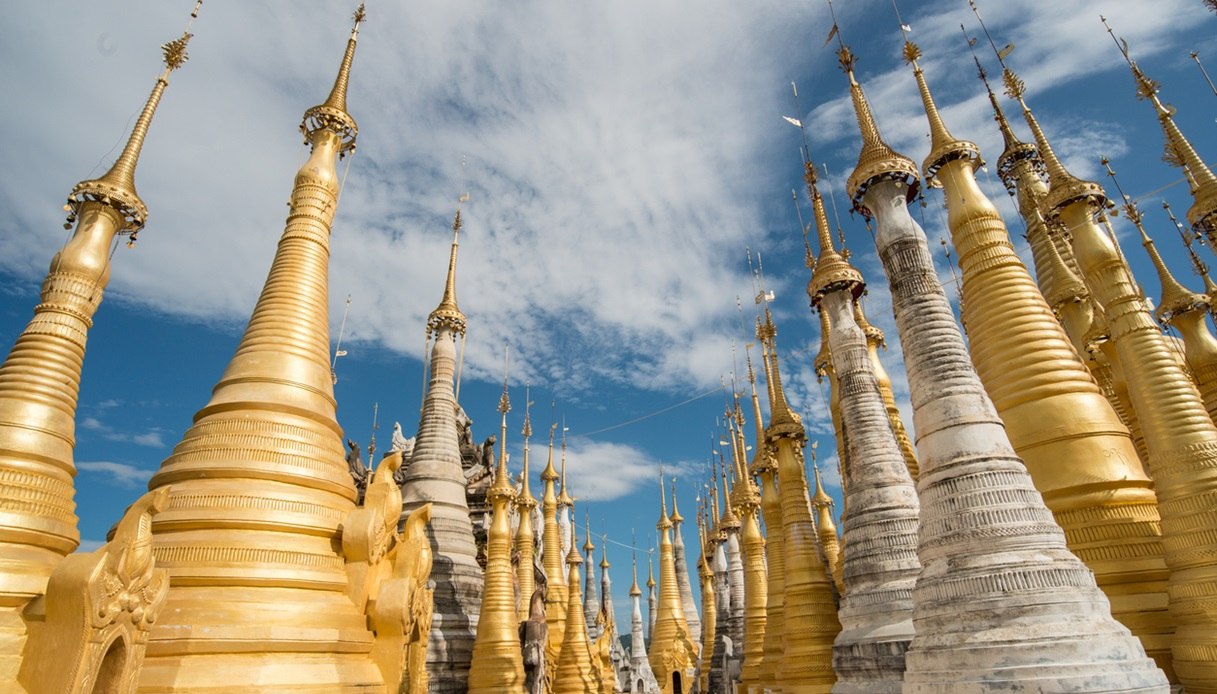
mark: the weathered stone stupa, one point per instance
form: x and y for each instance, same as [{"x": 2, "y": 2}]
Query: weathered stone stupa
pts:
[
  {"x": 988, "y": 546},
  {"x": 881, "y": 565}
]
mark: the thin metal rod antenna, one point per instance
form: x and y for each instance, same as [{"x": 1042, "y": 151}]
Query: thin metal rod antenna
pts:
[
  {"x": 810, "y": 259},
  {"x": 832, "y": 198},
  {"x": 372, "y": 438},
  {"x": 833, "y": 11},
  {"x": 976, "y": 11},
  {"x": 903, "y": 32},
  {"x": 798, "y": 107},
  {"x": 338, "y": 346},
  {"x": 1120, "y": 43},
  {"x": 1195, "y": 55}
]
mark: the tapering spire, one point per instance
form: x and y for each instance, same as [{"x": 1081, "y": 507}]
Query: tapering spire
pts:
[
  {"x": 269, "y": 436},
  {"x": 525, "y": 535},
  {"x": 676, "y": 517},
  {"x": 665, "y": 521},
  {"x": 1175, "y": 297},
  {"x": 944, "y": 146},
  {"x": 564, "y": 499},
  {"x": 877, "y": 160},
  {"x": 1063, "y": 187},
  {"x": 820, "y": 499},
  {"x": 634, "y": 589},
  {"x": 447, "y": 315},
  {"x": 497, "y": 664},
  {"x": 833, "y": 270},
  {"x": 116, "y": 187},
  {"x": 1203, "y": 213},
  {"x": 39, "y": 393},
  {"x": 1015, "y": 150},
  {"x": 332, "y": 113}
]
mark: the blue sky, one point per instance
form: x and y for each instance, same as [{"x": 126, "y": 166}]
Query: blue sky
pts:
[{"x": 620, "y": 158}]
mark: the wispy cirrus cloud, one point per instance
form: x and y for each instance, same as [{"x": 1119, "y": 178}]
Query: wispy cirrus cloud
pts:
[
  {"x": 119, "y": 474},
  {"x": 152, "y": 438}
]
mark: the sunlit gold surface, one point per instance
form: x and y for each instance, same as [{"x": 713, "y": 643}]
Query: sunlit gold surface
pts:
[
  {"x": 709, "y": 614},
  {"x": 1180, "y": 435},
  {"x": 672, "y": 652},
  {"x": 249, "y": 535},
  {"x": 498, "y": 663},
  {"x": 809, "y": 622},
  {"x": 556, "y": 597},
  {"x": 1079, "y": 455},
  {"x": 748, "y": 500},
  {"x": 575, "y": 672},
  {"x": 525, "y": 542},
  {"x": 40, "y": 383}
]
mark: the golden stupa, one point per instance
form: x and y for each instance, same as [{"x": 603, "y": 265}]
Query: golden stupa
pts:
[{"x": 257, "y": 561}]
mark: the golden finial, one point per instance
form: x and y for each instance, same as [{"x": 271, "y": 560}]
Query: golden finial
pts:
[
  {"x": 1179, "y": 151},
  {"x": 665, "y": 521},
  {"x": 635, "y": 591},
  {"x": 676, "y": 517},
  {"x": 821, "y": 497},
  {"x": 1176, "y": 298},
  {"x": 116, "y": 187},
  {"x": 447, "y": 315},
  {"x": 1064, "y": 187},
  {"x": 525, "y": 497},
  {"x": 1015, "y": 150},
  {"x": 1198, "y": 265},
  {"x": 944, "y": 146},
  {"x": 587, "y": 528},
  {"x": 604, "y": 562},
  {"x": 650, "y": 571},
  {"x": 332, "y": 114},
  {"x": 563, "y": 497},
  {"x": 502, "y": 486},
  {"x": 832, "y": 270},
  {"x": 783, "y": 420},
  {"x": 549, "y": 474},
  {"x": 876, "y": 161}
]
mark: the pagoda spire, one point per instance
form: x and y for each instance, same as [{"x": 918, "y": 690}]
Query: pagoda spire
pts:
[
  {"x": 876, "y": 605},
  {"x": 809, "y": 607},
  {"x": 40, "y": 378},
  {"x": 575, "y": 672},
  {"x": 731, "y": 525},
  {"x": 268, "y": 440},
  {"x": 40, "y": 382},
  {"x": 1180, "y": 437},
  {"x": 652, "y": 599},
  {"x": 556, "y": 597},
  {"x": 525, "y": 541},
  {"x": 756, "y": 597},
  {"x": 682, "y": 571},
  {"x": 591, "y": 603},
  {"x": 1182, "y": 309},
  {"x": 953, "y": 414},
  {"x": 498, "y": 662},
  {"x": 640, "y": 666},
  {"x": 565, "y": 503},
  {"x": 672, "y": 653},
  {"x": 709, "y": 609},
  {"x": 435, "y": 475},
  {"x": 1203, "y": 213},
  {"x": 876, "y": 160},
  {"x": 1015, "y": 341}
]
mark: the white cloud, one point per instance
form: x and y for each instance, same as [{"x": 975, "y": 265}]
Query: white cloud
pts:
[
  {"x": 606, "y": 471},
  {"x": 120, "y": 474},
  {"x": 151, "y": 438}
]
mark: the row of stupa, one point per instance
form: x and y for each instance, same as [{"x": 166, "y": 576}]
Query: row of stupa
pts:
[{"x": 974, "y": 561}]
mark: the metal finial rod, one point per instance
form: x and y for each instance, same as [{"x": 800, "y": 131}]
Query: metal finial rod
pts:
[
  {"x": 338, "y": 351},
  {"x": 372, "y": 438},
  {"x": 1130, "y": 207},
  {"x": 836, "y": 28},
  {"x": 1195, "y": 55}
]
